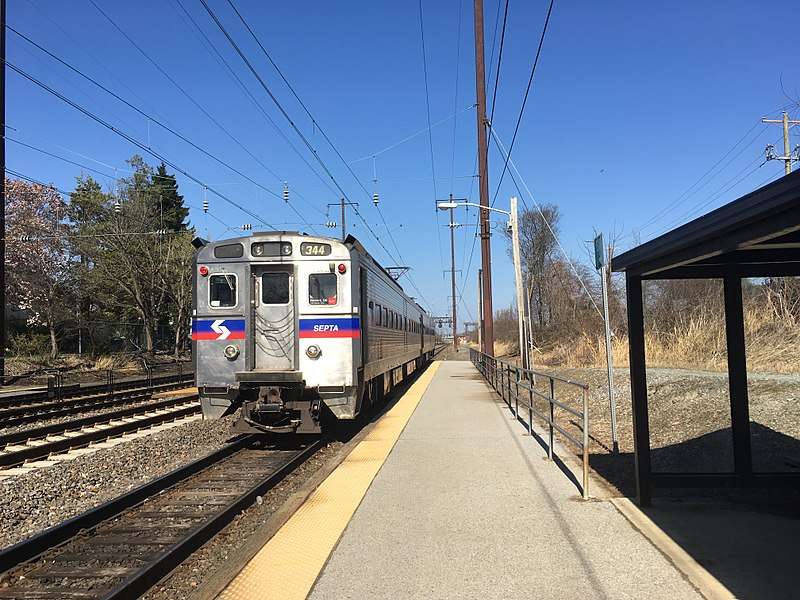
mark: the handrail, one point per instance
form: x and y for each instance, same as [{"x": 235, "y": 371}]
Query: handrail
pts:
[{"x": 507, "y": 379}]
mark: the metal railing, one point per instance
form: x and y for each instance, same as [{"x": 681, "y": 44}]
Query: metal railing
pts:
[{"x": 517, "y": 386}]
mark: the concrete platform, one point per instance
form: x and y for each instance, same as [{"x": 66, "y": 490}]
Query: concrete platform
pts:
[
  {"x": 448, "y": 496},
  {"x": 467, "y": 506}
]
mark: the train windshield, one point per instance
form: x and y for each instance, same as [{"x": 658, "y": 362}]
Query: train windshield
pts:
[
  {"x": 322, "y": 288},
  {"x": 222, "y": 291}
]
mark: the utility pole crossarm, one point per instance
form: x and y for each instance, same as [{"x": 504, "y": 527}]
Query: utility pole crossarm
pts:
[{"x": 787, "y": 157}]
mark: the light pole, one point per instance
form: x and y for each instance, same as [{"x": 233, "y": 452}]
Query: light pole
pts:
[{"x": 513, "y": 224}]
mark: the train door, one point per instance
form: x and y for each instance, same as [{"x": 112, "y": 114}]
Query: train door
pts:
[
  {"x": 421, "y": 336},
  {"x": 274, "y": 319},
  {"x": 364, "y": 315}
]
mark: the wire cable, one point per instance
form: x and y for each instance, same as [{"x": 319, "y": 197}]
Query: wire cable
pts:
[
  {"x": 524, "y": 100},
  {"x": 131, "y": 139},
  {"x": 305, "y": 140},
  {"x": 180, "y": 88},
  {"x": 141, "y": 112},
  {"x": 504, "y": 152},
  {"x": 215, "y": 53},
  {"x": 499, "y": 63}
]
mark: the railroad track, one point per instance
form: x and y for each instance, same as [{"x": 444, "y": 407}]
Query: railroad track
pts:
[
  {"x": 123, "y": 547},
  {"x": 53, "y": 409},
  {"x": 87, "y": 391},
  {"x": 40, "y": 443}
]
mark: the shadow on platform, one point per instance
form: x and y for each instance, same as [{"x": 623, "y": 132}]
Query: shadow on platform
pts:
[{"x": 744, "y": 538}]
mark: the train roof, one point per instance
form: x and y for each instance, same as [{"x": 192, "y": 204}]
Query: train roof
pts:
[{"x": 351, "y": 242}]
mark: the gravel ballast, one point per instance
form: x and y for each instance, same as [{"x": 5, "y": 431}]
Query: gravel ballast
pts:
[{"x": 32, "y": 502}]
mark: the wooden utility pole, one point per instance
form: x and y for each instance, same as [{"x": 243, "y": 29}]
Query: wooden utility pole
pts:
[
  {"x": 453, "y": 275},
  {"x": 3, "y": 191},
  {"x": 480, "y": 309},
  {"x": 787, "y": 151},
  {"x": 483, "y": 180}
]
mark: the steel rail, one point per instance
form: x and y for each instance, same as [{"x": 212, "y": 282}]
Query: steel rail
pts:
[
  {"x": 39, "y": 451},
  {"x": 20, "y": 415},
  {"x": 76, "y": 390},
  {"x": 176, "y": 542},
  {"x": 13, "y": 556}
]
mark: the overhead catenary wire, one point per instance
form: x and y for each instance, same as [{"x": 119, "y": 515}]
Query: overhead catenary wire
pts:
[
  {"x": 510, "y": 161},
  {"x": 297, "y": 130},
  {"x": 214, "y": 51},
  {"x": 524, "y": 100},
  {"x": 499, "y": 64},
  {"x": 179, "y": 87},
  {"x": 430, "y": 132},
  {"x": 408, "y": 138},
  {"x": 455, "y": 95},
  {"x": 148, "y": 116},
  {"x": 131, "y": 139}
]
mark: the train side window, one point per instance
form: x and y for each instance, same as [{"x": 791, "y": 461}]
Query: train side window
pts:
[
  {"x": 322, "y": 289},
  {"x": 385, "y": 317},
  {"x": 222, "y": 291},
  {"x": 377, "y": 319},
  {"x": 275, "y": 288}
]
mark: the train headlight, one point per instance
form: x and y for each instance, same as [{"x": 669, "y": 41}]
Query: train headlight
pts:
[
  {"x": 313, "y": 352},
  {"x": 231, "y": 352}
]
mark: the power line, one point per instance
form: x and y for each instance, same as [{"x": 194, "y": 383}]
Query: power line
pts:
[
  {"x": 36, "y": 181},
  {"x": 695, "y": 187},
  {"x": 72, "y": 162},
  {"x": 455, "y": 95},
  {"x": 148, "y": 116},
  {"x": 131, "y": 139},
  {"x": 180, "y": 88},
  {"x": 209, "y": 45},
  {"x": 294, "y": 126},
  {"x": 408, "y": 138},
  {"x": 499, "y": 63},
  {"x": 503, "y": 151},
  {"x": 430, "y": 133},
  {"x": 524, "y": 100}
]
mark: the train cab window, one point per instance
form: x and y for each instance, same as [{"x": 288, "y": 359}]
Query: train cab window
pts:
[
  {"x": 275, "y": 288},
  {"x": 322, "y": 289},
  {"x": 222, "y": 291}
]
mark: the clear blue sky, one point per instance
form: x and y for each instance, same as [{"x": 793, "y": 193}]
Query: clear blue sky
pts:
[{"x": 632, "y": 103}]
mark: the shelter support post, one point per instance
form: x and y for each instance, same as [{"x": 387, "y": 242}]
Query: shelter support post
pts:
[
  {"x": 737, "y": 376},
  {"x": 641, "y": 424}
]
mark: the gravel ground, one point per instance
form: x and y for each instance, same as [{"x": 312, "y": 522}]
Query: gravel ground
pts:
[
  {"x": 83, "y": 413},
  {"x": 689, "y": 421},
  {"x": 35, "y": 501},
  {"x": 203, "y": 564}
]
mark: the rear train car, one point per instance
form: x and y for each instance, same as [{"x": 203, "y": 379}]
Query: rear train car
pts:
[{"x": 295, "y": 329}]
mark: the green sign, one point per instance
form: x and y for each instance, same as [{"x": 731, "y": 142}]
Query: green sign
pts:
[{"x": 599, "y": 252}]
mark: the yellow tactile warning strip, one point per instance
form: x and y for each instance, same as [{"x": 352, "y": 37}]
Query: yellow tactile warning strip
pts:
[{"x": 287, "y": 566}]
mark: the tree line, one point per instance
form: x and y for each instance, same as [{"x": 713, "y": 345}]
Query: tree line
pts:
[{"x": 77, "y": 268}]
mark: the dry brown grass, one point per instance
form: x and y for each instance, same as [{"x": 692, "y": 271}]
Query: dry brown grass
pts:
[{"x": 772, "y": 341}]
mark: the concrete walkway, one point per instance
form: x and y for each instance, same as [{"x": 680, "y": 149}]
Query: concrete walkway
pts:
[{"x": 467, "y": 506}]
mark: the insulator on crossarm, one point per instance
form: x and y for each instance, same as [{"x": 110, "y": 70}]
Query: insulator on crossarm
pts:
[
  {"x": 247, "y": 227},
  {"x": 205, "y": 206},
  {"x": 117, "y": 207},
  {"x": 330, "y": 224},
  {"x": 375, "y": 198},
  {"x": 285, "y": 191}
]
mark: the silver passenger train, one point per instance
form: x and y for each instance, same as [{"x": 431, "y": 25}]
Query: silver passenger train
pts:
[{"x": 295, "y": 328}]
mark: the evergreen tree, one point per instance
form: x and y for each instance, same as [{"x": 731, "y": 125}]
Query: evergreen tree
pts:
[{"x": 170, "y": 201}]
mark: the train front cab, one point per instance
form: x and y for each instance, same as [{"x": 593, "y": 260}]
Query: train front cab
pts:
[{"x": 299, "y": 325}]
